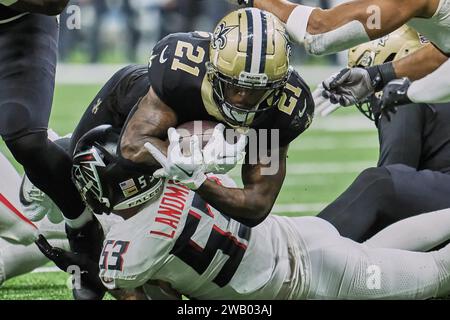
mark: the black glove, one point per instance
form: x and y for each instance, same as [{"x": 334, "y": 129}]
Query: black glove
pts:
[
  {"x": 395, "y": 93},
  {"x": 65, "y": 259},
  {"x": 354, "y": 85}
]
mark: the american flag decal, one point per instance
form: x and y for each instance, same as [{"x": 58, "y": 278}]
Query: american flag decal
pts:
[{"x": 128, "y": 188}]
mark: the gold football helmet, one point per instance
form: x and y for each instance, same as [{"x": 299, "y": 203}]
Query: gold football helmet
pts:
[
  {"x": 249, "y": 65},
  {"x": 394, "y": 46}
]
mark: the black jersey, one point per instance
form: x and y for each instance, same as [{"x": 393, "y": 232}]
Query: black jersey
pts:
[
  {"x": 8, "y": 14},
  {"x": 178, "y": 75}
]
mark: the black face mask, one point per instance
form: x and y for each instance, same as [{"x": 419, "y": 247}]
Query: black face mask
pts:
[{"x": 241, "y": 117}]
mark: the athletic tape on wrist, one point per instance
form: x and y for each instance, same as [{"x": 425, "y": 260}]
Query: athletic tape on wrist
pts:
[{"x": 298, "y": 22}]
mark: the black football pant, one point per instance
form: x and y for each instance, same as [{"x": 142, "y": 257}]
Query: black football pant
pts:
[
  {"x": 382, "y": 196},
  {"x": 28, "y": 54}
]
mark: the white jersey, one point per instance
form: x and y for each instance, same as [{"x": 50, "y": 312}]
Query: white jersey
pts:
[
  {"x": 202, "y": 253},
  {"x": 436, "y": 28}
]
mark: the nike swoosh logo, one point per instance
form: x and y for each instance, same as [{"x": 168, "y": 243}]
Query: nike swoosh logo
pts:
[
  {"x": 302, "y": 112},
  {"x": 186, "y": 172},
  {"x": 161, "y": 57}
]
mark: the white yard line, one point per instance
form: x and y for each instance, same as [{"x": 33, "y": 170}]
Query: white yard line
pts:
[
  {"x": 333, "y": 143},
  {"x": 46, "y": 270},
  {"x": 347, "y": 123},
  {"x": 307, "y": 168},
  {"x": 329, "y": 167},
  {"x": 298, "y": 207}
]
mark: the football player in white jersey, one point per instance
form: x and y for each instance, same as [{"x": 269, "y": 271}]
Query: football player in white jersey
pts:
[
  {"x": 40, "y": 215},
  {"x": 174, "y": 239},
  {"x": 355, "y": 22}
]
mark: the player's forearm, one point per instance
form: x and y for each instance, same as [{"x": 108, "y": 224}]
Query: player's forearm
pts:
[
  {"x": 280, "y": 8},
  {"x": 239, "y": 204},
  {"x": 420, "y": 63},
  {"x": 48, "y": 7},
  {"x": 434, "y": 88},
  {"x": 132, "y": 149},
  {"x": 343, "y": 26},
  {"x": 149, "y": 122}
]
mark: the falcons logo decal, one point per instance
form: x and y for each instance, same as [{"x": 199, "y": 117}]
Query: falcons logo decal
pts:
[{"x": 86, "y": 171}]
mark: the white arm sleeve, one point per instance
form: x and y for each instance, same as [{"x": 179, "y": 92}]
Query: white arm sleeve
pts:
[
  {"x": 342, "y": 38},
  {"x": 434, "y": 88}
]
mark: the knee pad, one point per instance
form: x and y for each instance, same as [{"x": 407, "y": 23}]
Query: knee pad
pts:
[
  {"x": 374, "y": 174},
  {"x": 356, "y": 211},
  {"x": 26, "y": 148},
  {"x": 379, "y": 182}
]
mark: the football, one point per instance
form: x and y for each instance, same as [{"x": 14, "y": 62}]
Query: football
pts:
[{"x": 203, "y": 129}]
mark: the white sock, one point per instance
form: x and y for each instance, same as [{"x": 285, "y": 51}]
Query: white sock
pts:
[
  {"x": 16, "y": 260},
  {"x": 84, "y": 218}
]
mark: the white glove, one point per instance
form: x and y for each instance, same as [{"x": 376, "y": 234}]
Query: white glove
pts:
[
  {"x": 187, "y": 170},
  {"x": 324, "y": 107},
  {"x": 220, "y": 156},
  {"x": 36, "y": 204}
]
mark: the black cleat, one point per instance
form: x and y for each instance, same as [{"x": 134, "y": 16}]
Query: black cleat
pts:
[{"x": 87, "y": 242}]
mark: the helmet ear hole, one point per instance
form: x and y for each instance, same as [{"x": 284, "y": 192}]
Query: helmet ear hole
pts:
[
  {"x": 390, "y": 58},
  {"x": 104, "y": 184}
]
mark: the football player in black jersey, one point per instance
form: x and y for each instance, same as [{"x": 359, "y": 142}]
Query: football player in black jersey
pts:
[
  {"x": 28, "y": 55},
  {"x": 240, "y": 76},
  {"x": 412, "y": 175},
  {"x": 185, "y": 82}
]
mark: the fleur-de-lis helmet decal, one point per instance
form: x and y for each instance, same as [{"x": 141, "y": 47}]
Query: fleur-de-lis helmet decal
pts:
[{"x": 220, "y": 35}]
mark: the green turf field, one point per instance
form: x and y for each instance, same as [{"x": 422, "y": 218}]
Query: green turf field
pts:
[{"x": 322, "y": 163}]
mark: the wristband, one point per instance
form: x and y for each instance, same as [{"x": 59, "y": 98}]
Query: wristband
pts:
[{"x": 381, "y": 75}]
